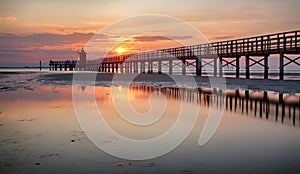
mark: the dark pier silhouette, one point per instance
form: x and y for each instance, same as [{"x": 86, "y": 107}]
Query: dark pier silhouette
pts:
[
  {"x": 62, "y": 65},
  {"x": 279, "y": 107},
  {"x": 253, "y": 50}
]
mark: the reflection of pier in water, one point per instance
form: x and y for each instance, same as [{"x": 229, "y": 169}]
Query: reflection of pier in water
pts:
[{"x": 280, "y": 107}]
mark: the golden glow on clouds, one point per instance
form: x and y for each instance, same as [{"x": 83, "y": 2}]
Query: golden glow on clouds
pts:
[
  {"x": 135, "y": 45},
  {"x": 64, "y": 17},
  {"x": 216, "y": 19}
]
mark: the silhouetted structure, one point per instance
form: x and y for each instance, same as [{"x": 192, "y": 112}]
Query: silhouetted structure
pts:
[
  {"x": 255, "y": 50},
  {"x": 82, "y": 59}
]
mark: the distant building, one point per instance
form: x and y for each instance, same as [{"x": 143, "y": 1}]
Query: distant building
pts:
[{"x": 82, "y": 58}]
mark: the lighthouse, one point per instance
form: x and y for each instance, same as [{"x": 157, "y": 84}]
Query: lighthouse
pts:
[{"x": 82, "y": 59}]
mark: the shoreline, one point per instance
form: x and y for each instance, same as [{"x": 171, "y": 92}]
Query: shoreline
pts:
[
  {"x": 163, "y": 80},
  {"x": 285, "y": 86}
]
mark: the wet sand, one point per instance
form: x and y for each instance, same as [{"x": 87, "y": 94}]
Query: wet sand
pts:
[
  {"x": 104, "y": 79},
  {"x": 283, "y": 86},
  {"x": 39, "y": 132}
]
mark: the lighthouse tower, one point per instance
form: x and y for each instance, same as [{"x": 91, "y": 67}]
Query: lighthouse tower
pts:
[{"x": 82, "y": 59}]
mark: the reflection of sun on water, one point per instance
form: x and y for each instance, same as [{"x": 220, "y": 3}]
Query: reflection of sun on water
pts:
[{"x": 138, "y": 98}]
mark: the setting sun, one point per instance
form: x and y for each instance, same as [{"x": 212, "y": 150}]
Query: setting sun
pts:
[{"x": 120, "y": 50}]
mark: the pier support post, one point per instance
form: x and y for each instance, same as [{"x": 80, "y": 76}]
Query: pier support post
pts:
[
  {"x": 141, "y": 67},
  {"x": 266, "y": 68},
  {"x": 198, "y": 67},
  {"x": 220, "y": 66},
  {"x": 150, "y": 67},
  {"x": 183, "y": 66},
  {"x": 144, "y": 67},
  {"x": 170, "y": 67},
  {"x": 159, "y": 67},
  {"x": 111, "y": 67},
  {"x": 122, "y": 68},
  {"x": 281, "y": 66},
  {"x": 215, "y": 67},
  {"x": 247, "y": 67},
  {"x": 130, "y": 67},
  {"x": 135, "y": 69},
  {"x": 108, "y": 67},
  {"x": 237, "y": 67},
  {"x": 126, "y": 67}
]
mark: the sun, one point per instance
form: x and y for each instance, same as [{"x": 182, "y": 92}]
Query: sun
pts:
[{"x": 120, "y": 50}]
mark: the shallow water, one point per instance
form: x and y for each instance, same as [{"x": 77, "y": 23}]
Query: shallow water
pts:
[
  {"x": 40, "y": 133},
  {"x": 290, "y": 74}
]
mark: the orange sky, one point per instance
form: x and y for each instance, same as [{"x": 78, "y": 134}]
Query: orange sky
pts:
[{"x": 33, "y": 30}]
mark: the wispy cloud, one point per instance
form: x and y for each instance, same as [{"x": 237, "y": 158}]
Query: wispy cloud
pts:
[
  {"x": 223, "y": 37},
  {"x": 7, "y": 19},
  {"x": 33, "y": 47},
  {"x": 159, "y": 38},
  {"x": 149, "y": 38}
]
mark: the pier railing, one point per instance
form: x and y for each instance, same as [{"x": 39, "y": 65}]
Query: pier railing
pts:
[{"x": 287, "y": 43}]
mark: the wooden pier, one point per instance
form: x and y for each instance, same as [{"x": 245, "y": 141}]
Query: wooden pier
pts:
[
  {"x": 254, "y": 50},
  {"x": 62, "y": 65}
]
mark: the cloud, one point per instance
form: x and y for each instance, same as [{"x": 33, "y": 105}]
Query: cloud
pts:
[
  {"x": 34, "y": 47},
  {"x": 149, "y": 38},
  {"x": 35, "y": 41},
  {"x": 45, "y": 46},
  {"x": 180, "y": 37},
  {"x": 223, "y": 37},
  {"x": 159, "y": 38},
  {"x": 4, "y": 19}
]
